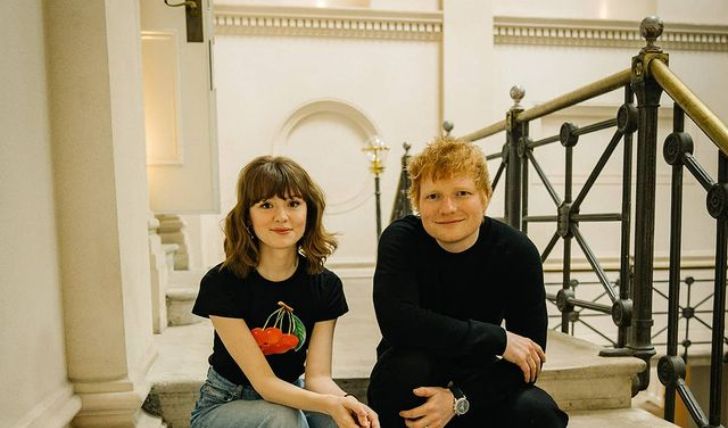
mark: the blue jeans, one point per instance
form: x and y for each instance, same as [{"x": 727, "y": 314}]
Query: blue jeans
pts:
[{"x": 223, "y": 404}]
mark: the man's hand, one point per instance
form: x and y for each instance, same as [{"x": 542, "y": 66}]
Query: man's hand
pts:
[
  {"x": 526, "y": 354},
  {"x": 435, "y": 413}
]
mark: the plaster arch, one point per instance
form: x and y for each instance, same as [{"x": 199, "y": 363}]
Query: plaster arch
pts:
[{"x": 327, "y": 137}]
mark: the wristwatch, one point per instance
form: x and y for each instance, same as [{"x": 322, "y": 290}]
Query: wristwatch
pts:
[{"x": 461, "y": 405}]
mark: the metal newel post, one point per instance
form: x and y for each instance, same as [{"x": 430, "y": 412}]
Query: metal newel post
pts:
[
  {"x": 513, "y": 161},
  {"x": 378, "y": 203},
  {"x": 718, "y": 207},
  {"x": 648, "y": 93}
]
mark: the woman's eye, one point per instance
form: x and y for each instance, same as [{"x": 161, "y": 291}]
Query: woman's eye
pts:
[
  {"x": 294, "y": 203},
  {"x": 265, "y": 204},
  {"x": 431, "y": 196},
  {"x": 463, "y": 193}
]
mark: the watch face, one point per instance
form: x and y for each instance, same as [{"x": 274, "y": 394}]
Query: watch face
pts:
[{"x": 462, "y": 405}]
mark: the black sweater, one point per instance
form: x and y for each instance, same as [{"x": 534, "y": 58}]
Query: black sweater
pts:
[{"x": 452, "y": 304}]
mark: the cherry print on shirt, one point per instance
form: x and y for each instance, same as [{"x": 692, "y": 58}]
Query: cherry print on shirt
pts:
[{"x": 272, "y": 339}]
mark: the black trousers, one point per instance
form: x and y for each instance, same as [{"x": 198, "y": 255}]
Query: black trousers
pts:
[{"x": 497, "y": 394}]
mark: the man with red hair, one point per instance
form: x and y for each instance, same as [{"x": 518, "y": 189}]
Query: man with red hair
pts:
[{"x": 445, "y": 281}]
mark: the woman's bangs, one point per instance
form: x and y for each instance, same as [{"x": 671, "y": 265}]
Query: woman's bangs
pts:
[{"x": 274, "y": 181}]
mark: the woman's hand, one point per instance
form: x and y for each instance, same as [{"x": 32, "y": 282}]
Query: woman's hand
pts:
[
  {"x": 371, "y": 418},
  {"x": 437, "y": 411},
  {"x": 526, "y": 354},
  {"x": 349, "y": 412}
]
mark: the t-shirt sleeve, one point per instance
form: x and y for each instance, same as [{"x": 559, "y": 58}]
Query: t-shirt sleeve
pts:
[
  {"x": 218, "y": 295},
  {"x": 332, "y": 302}
]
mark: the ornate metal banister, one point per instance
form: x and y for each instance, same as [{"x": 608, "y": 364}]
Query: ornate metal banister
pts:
[
  {"x": 706, "y": 120},
  {"x": 630, "y": 296}
]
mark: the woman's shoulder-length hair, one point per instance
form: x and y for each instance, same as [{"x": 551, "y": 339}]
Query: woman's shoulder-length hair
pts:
[{"x": 263, "y": 178}]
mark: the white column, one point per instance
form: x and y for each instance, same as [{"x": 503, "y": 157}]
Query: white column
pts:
[
  {"x": 469, "y": 70},
  {"x": 102, "y": 205}
]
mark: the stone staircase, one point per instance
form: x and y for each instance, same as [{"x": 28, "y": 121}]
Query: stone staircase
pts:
[
  {"x": 595, "y": 391},
  {"x": 181, "y": 293}
]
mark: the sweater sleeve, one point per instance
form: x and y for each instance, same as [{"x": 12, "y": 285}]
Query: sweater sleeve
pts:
[
  {"x": 526, "y": 310},
  {"x": 402, "y": 319}
]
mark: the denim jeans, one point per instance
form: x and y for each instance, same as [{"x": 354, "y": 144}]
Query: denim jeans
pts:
[{"x": 223, "y": 404}]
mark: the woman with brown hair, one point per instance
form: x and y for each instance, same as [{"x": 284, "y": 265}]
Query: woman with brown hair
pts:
[{"x": 274, "y": 308}]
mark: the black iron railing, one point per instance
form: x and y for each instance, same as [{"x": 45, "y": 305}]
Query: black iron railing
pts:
[{"x": 630, "y": 302}]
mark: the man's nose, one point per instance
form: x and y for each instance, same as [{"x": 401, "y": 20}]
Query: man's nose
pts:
[{"x": 448, "y": 205}]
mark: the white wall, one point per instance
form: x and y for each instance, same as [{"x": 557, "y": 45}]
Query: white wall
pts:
[
  {"x": 318, "y": 100},
  {"x": 402, "y": 88},
  {"x": 33, "y": 368},
  {"x": 269, "y": 87}
]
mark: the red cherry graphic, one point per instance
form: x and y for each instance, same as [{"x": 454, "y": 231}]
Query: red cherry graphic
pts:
[
  {"x": 272, "y": 340},
  {"x": 272, "y": 335},
  {"x": 278, "y": 348},
  {"x": 257, "y": 334},
  {"x": 290, "y": 341}
]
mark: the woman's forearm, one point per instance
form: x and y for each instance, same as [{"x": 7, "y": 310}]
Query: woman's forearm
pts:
[
  {"x": 324, "y": 385},
  {"x": 279, "y": 391}
]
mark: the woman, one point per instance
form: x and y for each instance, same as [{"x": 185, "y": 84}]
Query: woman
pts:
[{"x": 274, "y": 307}]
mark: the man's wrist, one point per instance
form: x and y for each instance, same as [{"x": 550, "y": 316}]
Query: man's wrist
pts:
[{"x": 460, "y": 405}]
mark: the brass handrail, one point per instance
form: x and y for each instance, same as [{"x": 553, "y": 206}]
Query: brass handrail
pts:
[
  {"x": 591, "y": 90},
  {"x": 691, "y": 104},
  {"x": 485, "y": 132}
]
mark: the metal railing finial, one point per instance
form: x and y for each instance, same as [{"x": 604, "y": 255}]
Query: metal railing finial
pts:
[
  {"x": 651, "y": 29},
  {"x": 447, "y": 127},
  {"x": 517, "y": 93}
]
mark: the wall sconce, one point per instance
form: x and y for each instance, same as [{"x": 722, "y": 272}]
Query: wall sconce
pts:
[{"x": 377, "y": 152}]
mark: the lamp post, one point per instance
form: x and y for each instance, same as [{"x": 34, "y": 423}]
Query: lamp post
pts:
[{"x": 377, "y": 152}]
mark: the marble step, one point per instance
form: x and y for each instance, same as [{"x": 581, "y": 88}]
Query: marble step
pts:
[
  {"x": 573, "y": 368},
  {"x": 179, "y": 306},
  {"x": 622, "y": 418},
  {"x": 570, "y": 375}
]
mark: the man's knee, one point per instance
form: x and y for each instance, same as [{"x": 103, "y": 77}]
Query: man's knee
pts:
[
  {"x": 395, "y": 375},
  {"x": 533, "y": 407},
  {"x": 407, "y": 368}
]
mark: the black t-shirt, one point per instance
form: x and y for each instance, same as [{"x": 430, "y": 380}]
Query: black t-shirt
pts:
[{"x": 314, "y": 298}]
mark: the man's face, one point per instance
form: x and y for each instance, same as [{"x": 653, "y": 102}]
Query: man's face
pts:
[{"x": 452, "y": 210}]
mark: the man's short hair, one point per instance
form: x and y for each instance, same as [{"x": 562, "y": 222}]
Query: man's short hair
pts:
[{"x": 444, "y": 158}]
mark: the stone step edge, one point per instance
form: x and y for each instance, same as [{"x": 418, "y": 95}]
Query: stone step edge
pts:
[
  {"x": 631, "y": 417},
  {"x": 181, "y": 294}
]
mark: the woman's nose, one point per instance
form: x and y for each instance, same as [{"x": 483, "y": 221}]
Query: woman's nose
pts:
[{"x": 280, "y": 215}]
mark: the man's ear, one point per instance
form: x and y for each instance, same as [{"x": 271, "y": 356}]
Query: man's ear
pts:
[{"x": 486, "y": 201}]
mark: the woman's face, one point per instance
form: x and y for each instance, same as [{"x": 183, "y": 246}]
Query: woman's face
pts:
[{"x": 279, "y": 223}]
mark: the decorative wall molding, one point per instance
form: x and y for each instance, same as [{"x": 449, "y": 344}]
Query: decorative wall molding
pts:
[
  {"x": 602, "y": 33},
  {"x": 320, "y": 22}
]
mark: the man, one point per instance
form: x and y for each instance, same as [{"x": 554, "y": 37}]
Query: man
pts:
[{"x": 444, "y": 283}]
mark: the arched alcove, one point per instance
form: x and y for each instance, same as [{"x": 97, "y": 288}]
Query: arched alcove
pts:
[{"x": 327, "y": 137}]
